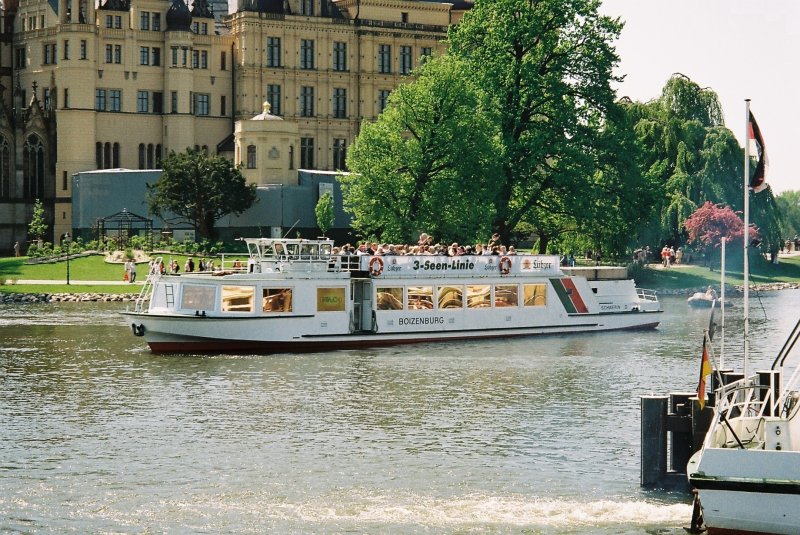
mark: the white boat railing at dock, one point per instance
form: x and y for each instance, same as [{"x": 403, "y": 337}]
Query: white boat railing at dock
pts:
[{"x": 646, "y": 294}]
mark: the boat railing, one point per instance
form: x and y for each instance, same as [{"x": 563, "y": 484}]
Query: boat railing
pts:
[
  {"x": 741, "y": 407},
  {"x": 646, "y": 295},
  {"x": 153, "y": 275}
]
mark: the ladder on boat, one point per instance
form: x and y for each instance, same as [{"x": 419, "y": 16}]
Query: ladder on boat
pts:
[{"x": 147, "y": 289}]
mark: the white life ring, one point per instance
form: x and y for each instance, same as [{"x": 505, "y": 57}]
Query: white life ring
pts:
[
  {"x": 505, "y": 265},
  {"x": 376, "y": 266}
]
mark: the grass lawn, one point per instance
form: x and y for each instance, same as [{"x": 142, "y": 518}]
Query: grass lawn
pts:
[{"x": 691, "y": 276}]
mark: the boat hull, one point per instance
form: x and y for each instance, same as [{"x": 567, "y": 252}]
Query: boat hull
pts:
[
  {"x": 180, "y": 334},
  {"x": 759, "y": 492}
]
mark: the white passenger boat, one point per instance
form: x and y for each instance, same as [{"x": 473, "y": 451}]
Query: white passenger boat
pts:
[
  {"x": 294, "y": 295},
  {"x": 747, "y": 473}
]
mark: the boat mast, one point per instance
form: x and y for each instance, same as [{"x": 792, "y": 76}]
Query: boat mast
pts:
[
  {"x": 722, "y": 307},
  {"x": 746, "y": 239}
]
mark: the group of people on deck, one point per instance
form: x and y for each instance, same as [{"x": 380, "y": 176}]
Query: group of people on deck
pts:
[{"x": 425, "y": 246}]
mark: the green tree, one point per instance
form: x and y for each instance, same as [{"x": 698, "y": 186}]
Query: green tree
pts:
[
  {"x": 788, "y": 204},
  {"x": 689, "y": 156},
  {"x": 199, "y": 189},
  {"x": 545, "y": 68},
  {"x": 426, "y": 164},
  {"x": 324, "y": 212},
  {"x": 38, "y": 226}
]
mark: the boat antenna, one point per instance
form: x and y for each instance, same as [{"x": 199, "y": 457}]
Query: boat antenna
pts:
[{"x": 290, "y": 228}]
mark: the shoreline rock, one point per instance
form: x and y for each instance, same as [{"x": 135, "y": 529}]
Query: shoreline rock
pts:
[{"x": 92, "y": 297}]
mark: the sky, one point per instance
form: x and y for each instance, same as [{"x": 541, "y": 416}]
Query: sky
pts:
[{"x": 739, "y": 48}]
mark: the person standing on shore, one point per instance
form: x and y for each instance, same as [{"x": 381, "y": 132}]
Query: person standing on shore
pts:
[{"x": 132, "y": 272}]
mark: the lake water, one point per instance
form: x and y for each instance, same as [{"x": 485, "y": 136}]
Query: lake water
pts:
[{"x": 536, "y": 435}]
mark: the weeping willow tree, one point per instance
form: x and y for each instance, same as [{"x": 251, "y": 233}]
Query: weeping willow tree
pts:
[{"x": 689, "y": 155}]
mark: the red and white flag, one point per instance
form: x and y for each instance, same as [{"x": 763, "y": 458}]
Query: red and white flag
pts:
[{"x": 756, "y": 148}]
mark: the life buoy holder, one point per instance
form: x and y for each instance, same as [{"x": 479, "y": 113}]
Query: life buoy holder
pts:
[
  {"x": 376, "y": 266},
  {"x": 505, "y": 265}
]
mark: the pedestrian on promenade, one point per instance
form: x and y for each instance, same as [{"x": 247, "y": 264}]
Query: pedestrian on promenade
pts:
[{"x": 16, "y": 249}]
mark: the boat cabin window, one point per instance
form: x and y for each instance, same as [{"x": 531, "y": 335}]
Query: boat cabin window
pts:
[
  {"x": 479, "y": 296},
  {"x": 198, "y": 297},
  {"x": 293, "y": 250},
  {"x": 420, "y": 297},
  {"x": 450, "y": 297},
  {"x": 534, "y": 295},
  {"x": 279, "y": 250},
  {"x": 267, "y": 250},
  {"x": 238, "y": 298},
  {"x": 309, "y": 251},
  {"x": 330, "y": 299},
  {"x": 505, "y": 295},
  {"x": 325, "y": 249},
  {"x": 390, "y": 298},
  {"x": 276, "y": 300}
]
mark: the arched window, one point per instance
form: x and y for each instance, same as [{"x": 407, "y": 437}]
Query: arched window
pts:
[
  {"x": 151, "y": 156},
  {"x": 33, "y": 167},
  {"x": 251, "y": 156},
  {"x": 115, "y": 155},
  {"x": 5, "y": 169},
  {"x": 98, "y": 155},
  {"x": 142, "y": 159},
  {"x": 159, "y": 156},
  {"x": 107, "y": 156}
]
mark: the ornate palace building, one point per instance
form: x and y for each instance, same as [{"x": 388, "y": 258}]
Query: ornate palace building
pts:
[{"x": 119, "y": 84}]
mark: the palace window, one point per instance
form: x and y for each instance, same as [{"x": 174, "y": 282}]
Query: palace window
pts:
[
  {"x": 306, "y": 54},
  {"x": 306, "y": 101},
  {"x": 307, "y": 153},
  {"x": 383, "y": 99},
  {"x": 339, "y": 56},
  {"x": 251, "y": 156},
  {"x": 201, "y": 103},
  {"x": 307, "y": 7},
  {"x": 274, "y": 98},
  {"x": 385, "y": 59},
  {"x": 5, "y": 169},
  {"x": 340, "y": 103},
  {"x": 100, "y": 99},
  {"x": 273, "y": 51},
  {"x": 82, "y": 51},
  {"x": 405, "y": 60},
  {"x": 339, "y": 154},
  {"x": 33, "y": 168}
]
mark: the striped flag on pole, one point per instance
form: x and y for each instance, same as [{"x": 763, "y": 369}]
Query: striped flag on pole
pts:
[{"x": 756, "y": 145}]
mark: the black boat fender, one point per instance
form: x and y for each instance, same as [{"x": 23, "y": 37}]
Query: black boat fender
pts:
[{"x": 138, "y": 330}]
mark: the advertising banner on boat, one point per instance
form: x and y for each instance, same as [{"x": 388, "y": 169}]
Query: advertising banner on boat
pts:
[{"x": 460, "y": 265}]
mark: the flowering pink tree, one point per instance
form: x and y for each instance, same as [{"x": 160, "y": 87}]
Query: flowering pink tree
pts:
[{"x": 710, "y": 223}]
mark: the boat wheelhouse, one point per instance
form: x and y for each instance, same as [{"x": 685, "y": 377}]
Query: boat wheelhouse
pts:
[{"x": 296, "y": 295}]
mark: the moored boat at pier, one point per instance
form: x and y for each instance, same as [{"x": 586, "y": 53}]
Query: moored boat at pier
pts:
[{"x": 295, "y": 295}]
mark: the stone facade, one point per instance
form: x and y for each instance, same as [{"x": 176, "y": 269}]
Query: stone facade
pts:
[{"x": 121, "y": 83}]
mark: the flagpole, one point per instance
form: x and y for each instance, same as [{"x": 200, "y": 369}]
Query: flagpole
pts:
[
  {"x": 722, "y": 305},
  {"x": 746, "y": 240}
]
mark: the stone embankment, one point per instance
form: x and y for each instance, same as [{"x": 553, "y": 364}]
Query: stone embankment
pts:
[
  {"x": 19, "y": 298},
  {"x": 773, "y": 286}
]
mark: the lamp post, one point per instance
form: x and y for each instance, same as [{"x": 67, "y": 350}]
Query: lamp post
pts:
[{"x": 67, "y": 241}]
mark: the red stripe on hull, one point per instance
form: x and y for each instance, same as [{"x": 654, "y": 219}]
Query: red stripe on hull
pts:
[{"x": 575, "y": 296}]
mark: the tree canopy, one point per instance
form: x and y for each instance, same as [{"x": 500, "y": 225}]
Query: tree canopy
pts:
[
  {"x": 199, "y": 189},
  {"x": 426, "y": 163},
  {"x": 545, "y": 70}
]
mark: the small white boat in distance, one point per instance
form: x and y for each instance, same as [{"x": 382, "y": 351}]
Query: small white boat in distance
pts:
[
  {"x": 294, "y": 295},
  {"x": 747, "y": 474}
]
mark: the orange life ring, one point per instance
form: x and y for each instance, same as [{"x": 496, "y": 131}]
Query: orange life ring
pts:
[
  {"x": 375, "y": 266},
  {"x": 505, "y": 265}
]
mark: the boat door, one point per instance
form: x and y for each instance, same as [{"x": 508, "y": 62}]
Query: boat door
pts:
[{"x": 363, "y": 319}]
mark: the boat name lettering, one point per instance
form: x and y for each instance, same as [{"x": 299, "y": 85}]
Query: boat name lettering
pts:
[
  {"x": 610, "y": 307},
  {"x": 435, "y": 320},
  {"x": 454, "y": 264}
]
